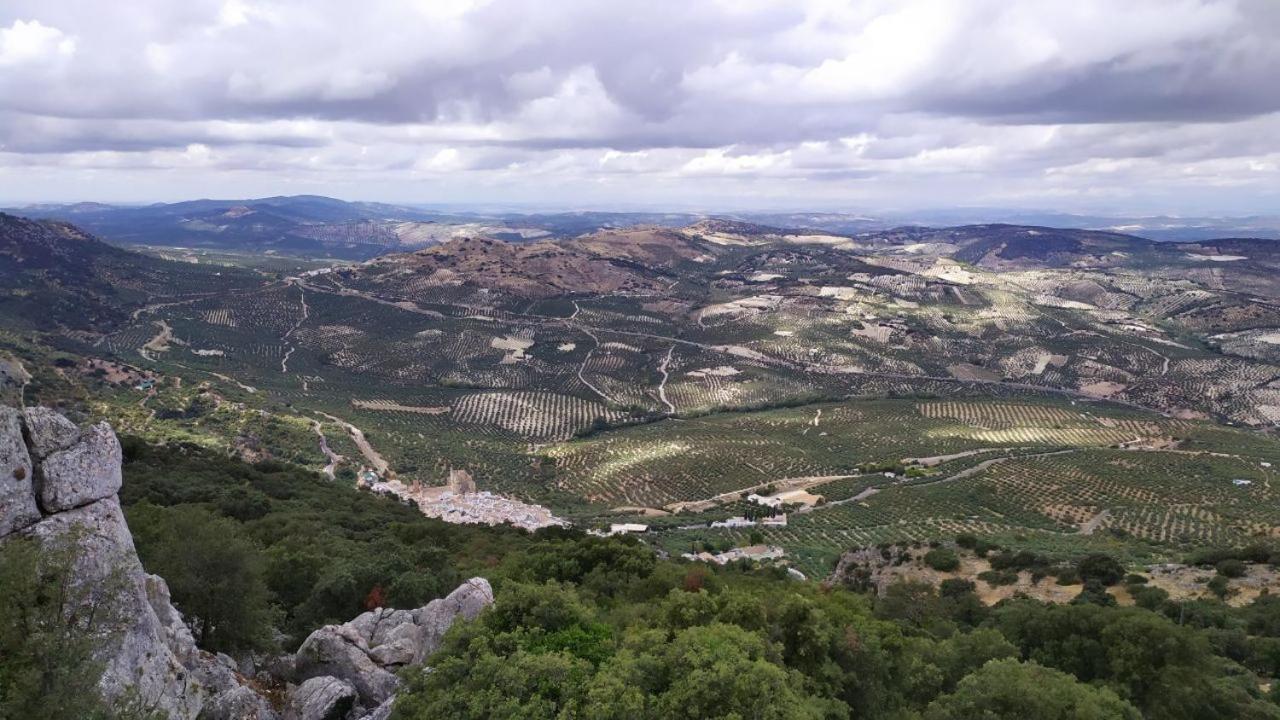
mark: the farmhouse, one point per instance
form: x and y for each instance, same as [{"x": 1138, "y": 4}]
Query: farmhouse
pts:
[
  {"x": 733, "y": 522},
  {"x": 775, "y": 521},
  {"x": 773, "y": 502},
  {"x": 626, "y": 528}
]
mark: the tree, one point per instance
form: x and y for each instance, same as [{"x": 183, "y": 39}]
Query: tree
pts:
[
  {"x": 942, "y": 559},
  {"x": 215, "y": 574},
  {"x": 1102, "y": 568},
  {"x": 50, "y": 627},
  {"x": 1012, "y": 690},
  {"x": 710, "y": 671}
]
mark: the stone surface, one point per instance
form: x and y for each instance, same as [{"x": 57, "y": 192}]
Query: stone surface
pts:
[
  {"x": 82, "y": 473},
  {"x": 48, "y": 431},
  {"x": 435, "y": 619},
  {"x": 150, "y": 653},
  {"x": 340, "y": 651},
  {"x": 177, "y": 635},
  {"x": 238, "y": 703},
  {"x": 382, "y": 712},
  {"x": 140, "y": 658},
  {"x": 368, "y": 649},
  {"x": 18, "y": 508},
  {"x": 322, "y": 698}
]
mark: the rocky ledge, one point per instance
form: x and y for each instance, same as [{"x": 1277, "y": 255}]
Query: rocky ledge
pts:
[{"x": 59, "y": 482}]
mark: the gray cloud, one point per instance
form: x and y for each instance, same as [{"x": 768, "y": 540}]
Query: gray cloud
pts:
[{"x": 902, "y": 102}]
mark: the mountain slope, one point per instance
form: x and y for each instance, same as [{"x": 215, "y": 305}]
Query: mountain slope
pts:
[{"x": 55, "y": 274}]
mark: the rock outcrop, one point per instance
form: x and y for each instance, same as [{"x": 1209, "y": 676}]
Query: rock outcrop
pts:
[
  {"x": 322, "y": 698},
  {"x": 18, "y": 508},
  {"x": 58, "y": 483},
  {"x": 366, "y": 652}
]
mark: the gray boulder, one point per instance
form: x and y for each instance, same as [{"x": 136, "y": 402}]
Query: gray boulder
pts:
[
  {"x": 238, "y": 703},
  {"x": 340, "y": 651},
  {"x": 177, "y": 635},
  {"x": 147, "y": 651},
  {"x": 367, "y": 650},
  {"x": 382, "y": 712},
  {"x": 435, "y": 619},
  {"x": 87, "y": 471},
  {"x": 391, "y": 635},
  {"x": 322, "y": 698},
  {"x": 18, "y": 508},
  {"x": 48, "y": 431}
]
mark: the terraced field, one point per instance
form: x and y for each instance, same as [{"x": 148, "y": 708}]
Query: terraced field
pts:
[{"x": 1109, "y": 396}]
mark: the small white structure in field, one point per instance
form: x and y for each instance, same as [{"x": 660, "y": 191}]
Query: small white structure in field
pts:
[
  {"x": 775, "y": 521},
  {"x": 1241, "y": 482},
  {"x": 765, "y": 500},
  {"x": 733, "y": 522},
  {"x": 624, "y": 528},
  {"x": 1265, "y": 464}
]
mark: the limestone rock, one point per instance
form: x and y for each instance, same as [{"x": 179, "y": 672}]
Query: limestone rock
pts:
[
  {"x": 435, "y": 619},
  {"x": 18, "y": 508},
  {"x": 392, "y": 635},
  {"x": 238, "y": 703},
  {"x": 367, "y": 649},
  {"x": 382, "y": 712},
  {"x": 82, "y": 473},
  {"x": 147, "y": 651},
  {"x": 140, "y": 659},
  {"x": 340, "y": 651},
  {"x": 177, "y": 635},
  {"x": 48, "y": 431},
  {"x": 322, "y": 698}
]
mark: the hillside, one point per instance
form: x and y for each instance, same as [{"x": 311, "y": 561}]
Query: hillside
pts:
[{"x": 58, "y": 275}]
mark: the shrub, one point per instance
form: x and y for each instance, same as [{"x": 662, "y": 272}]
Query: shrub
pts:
[
  {"x": 1231, "y": 568},
  {"x": 1150, "y": 597},
  {"x": 1218, "y": 586},
  {"x": 1100, "y": 568},
  {"x": 955, "y": 587},
  {"x": 942, "y": 559},
  {"x": 998, "y": 577}
]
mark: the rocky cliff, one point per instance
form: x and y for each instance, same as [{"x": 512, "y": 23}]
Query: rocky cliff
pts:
[{"x": 58, "y": 482}]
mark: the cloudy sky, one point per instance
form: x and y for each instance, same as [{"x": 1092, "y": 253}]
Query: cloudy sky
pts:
[{"x": 1078, "y": 105}]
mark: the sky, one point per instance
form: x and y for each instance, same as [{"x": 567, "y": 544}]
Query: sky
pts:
[{"x": 1124, "y": 106}]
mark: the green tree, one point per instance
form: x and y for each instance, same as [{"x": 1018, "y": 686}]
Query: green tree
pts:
[
  {"x": 50, "y": 627},
  {"x": 215, "y": 574},
  {"x": 942, "y": 559},
  {"x": 1011, "y": 690}
]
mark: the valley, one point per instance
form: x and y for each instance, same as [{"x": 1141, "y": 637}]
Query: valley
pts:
[{"x": 1074, "y": 389}]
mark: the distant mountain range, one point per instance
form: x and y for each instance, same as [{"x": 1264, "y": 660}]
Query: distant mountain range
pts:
[{"x": 315, "y": 226}]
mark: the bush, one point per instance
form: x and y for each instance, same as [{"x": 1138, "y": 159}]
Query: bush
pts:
[
  {"x": 1067, "y": 575},
  {"x": 1231, "y": 568},
  {"x": 1100, "y": 568},
  {"x": 1150, "y": 597},
  {"x": 942, "y": 559},
  {"x": 955, "y": 587},
  {"x": 1218, "y": 586},
  {"x": 998, "y": 577}
]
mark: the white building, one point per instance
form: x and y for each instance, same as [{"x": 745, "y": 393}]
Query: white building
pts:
[
  {"x": 624, "y": 528},
  {"x": 765, "y": 500},
  {"x": 733, "y": 522}
]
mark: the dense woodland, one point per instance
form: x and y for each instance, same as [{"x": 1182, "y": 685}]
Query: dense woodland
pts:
[{"x": 586, "y": 627}]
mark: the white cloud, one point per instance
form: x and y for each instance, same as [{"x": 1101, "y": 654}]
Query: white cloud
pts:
[
  {"x": 824, "y": 101},
  {"x": 29, "y": 42}
]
